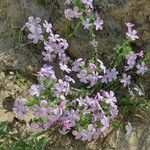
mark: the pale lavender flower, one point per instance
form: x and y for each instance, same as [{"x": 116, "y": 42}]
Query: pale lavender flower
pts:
[
  {"x": 46, "y": 71},
  {"x": 109, "y": 76},
  {"x": 88, "y": 3},
  {"x": 35, "y": 90},
  {"x": 72, "y": 13},
  {"x": 88, "y": 133},
  {"x": 139, "y": 90},
  {"x": 69, "y": 79},
  {"x": 94, "y": 43},
  {"x": 86, "y": 23},
  {"x": 130, "y": 91},
  {"x": 61, "y": 87},
  {"x": 131, "y": 61},
  {"x": 140, "y": 54},
  {"x": 77, "y": 64},
  {"x": 110, "y": 98},
  {"x": 131, "y": 32},
  {"x": 126, "y": 80},
  {"x": 77, "y": 135},
  {"x": 48, "y": 56},
  {"x": 93, "y": 78},
  {"x": 34, "y": 127},
  {"x": 63, "y": 58},
  {"x": 105, "y": 123},
  {"x": 128, "y": 128},
  {"x": 64, "y": 67},
  {"x": 129, "y": 25},
  {"x": 36, "y": 35},
  {"x": 83, "y": 76},
  {"x": 98, "y": 23},
  {"x": 54, "y": 37},
  {"x": 40, "y": 111},
  {"x": 64, "y": 44},
  {"x": 141, "y": 68},
  {"x": 77, "y": 13},
  {"x": 92, "y": 102},
  {"x": 67, "y": 124},
  {"x": 102, "y": 66},
  {"x": 114, "y": 111},
  {"x": 85, "y": 134},
  {"x": 33, "y": 23},
  {"x": 47, "y": 26},
  {"x": 20, "y": 108},
  {"x": 49, "y": 46},
  {"x": 73, "y": 115},
  {"x": 81, "y": 102},
  {"x": 68, "y": 2},
  {"x": 92, "y": 67}
]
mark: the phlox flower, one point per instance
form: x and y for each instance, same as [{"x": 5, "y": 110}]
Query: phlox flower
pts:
[
  {"x": 86, "y": 23},
  {"x": 41, "y": 110},
  {"x": 94, "y": 43},
  {"x": 61, "y": 87},
  {"x": 105, "y": 123},
  {"x": 139, "y": 90},
  {"x": 36, "y": 35},
  {"x": 141, "y": 68},
  {"x": 54, "y": 37},
  {"x": 110, "y": 98},
  {"x": 72, "y": 13},
  {"x": 131, "y": 32},
  {"x": 102, "y": 66},
  {"x": 20, "y": 108},
  {"x": 46, "y": 71},
  {"x": 68, "y": 2},
  {"x": 88, "y": 3},
  {"x": 83, "y": 76},
  {"x": 33, "y": 23},
  {"x": 98, "y": 23},
  {"x": 35, "y": 90},
  {"x": 77, "y": 64},
  {"x": 126, "y": 80},
  {"x": 109, "y": 75},
  {"x": 47, "y": 26},
  {"x": 64, "y": 67},
  {"x": 128, "y": 128}
]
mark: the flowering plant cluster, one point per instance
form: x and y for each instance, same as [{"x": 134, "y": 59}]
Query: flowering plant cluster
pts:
[
  {"x": 86, "y": 111},
  {"x": 84, "y": 10},
  {"x": 87, "y": 16}
]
